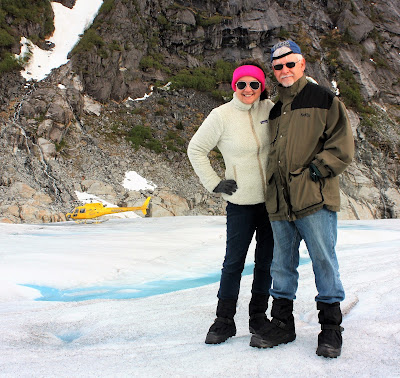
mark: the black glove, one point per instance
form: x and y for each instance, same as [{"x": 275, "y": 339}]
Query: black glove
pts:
[
  {"x": 226, "y": 186},
  {"x": 315, "y": 174}
]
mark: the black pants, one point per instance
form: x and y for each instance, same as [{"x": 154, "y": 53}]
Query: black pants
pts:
[{"x": 242, "y": 222}]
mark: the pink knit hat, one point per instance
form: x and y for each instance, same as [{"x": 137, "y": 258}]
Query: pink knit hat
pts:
[{"x": 248, "y": 70}]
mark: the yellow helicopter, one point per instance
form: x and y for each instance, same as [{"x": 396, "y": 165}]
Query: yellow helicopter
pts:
[{"x": 93, "y": 211}]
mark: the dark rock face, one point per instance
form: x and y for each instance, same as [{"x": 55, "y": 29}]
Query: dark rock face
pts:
[
  {"x": 176, "y": 35},
  {"x": 10, "y": 87},
  {"x": 67, "y": 3}
]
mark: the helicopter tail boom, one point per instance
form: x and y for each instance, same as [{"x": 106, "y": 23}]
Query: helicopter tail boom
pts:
[{"x": 145, "y": 205}]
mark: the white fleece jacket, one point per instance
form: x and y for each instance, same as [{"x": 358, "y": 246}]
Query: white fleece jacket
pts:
[{"x": 240, "y": 132}]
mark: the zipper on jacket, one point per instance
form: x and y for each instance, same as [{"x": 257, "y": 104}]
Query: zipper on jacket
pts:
[
  {"x": 263, "y": 178},
  {"x": 276, "y": 135}
]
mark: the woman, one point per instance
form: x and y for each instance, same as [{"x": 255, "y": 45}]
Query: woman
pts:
[{"x": 239, "y": 130}]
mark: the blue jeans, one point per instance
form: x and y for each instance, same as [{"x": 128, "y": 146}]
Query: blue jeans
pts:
[
  {"x": 319, "y": 231},
  {"x": 242, "y": 221}
]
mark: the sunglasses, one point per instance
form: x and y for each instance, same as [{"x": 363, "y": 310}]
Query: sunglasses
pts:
[
  {"x": 253, "y": 85},
  {"x": 278, "y": 67}
]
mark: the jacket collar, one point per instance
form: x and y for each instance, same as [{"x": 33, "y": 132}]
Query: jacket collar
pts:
[
  {"x": 241, "y": 106},
  {"x": 293, "y": 90}
]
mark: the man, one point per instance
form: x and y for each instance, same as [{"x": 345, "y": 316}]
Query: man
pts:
[{"x": 311, "y": 145}]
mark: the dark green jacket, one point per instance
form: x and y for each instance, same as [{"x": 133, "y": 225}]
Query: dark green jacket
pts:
[{"x": 307, "y": 125}]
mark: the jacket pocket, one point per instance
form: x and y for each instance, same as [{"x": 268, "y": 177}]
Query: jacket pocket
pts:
[
  {"x": 271, "y": 201},
  {"x": 304, "y": 192}
]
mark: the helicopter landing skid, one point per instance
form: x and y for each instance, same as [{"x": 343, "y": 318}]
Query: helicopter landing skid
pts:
[{"x": 90, "y": 221}]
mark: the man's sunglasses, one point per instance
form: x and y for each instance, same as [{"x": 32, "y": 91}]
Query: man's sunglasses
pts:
[
  {"x": 278, "y": 67},
  {"x": 243, "y": 84}
]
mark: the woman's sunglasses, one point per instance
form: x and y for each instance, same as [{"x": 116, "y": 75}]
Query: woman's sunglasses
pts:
[
  {"x": 278, "y": 67},
  {"x": 243, "y": 84}
]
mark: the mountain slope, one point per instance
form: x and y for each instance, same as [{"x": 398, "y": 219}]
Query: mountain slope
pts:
[{"x": 90, "y": 129}]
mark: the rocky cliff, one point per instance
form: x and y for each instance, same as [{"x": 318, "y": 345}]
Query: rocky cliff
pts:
[{"x": 80, "y": 129}]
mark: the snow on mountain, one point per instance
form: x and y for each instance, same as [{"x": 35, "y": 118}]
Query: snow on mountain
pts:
[{"x": 69, "y": 25}]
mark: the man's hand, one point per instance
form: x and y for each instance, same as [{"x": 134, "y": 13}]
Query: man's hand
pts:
[
  {"x": 315, "y": 174},
  {"x": 226, "y": 186}
]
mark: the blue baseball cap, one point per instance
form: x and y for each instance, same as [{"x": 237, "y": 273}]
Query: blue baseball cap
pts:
[{"x": 284, "y": 48}]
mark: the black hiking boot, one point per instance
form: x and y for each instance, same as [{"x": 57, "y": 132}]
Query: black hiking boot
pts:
[
  {"x": 330, "y": 338},
  {"x": 257, "y": 307},
  {"x": 224, "y": 326},
  {"x": 257, "y": 322},
  {"x": 221, "y": 330},
  {"x": 280, "y": 330}
]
